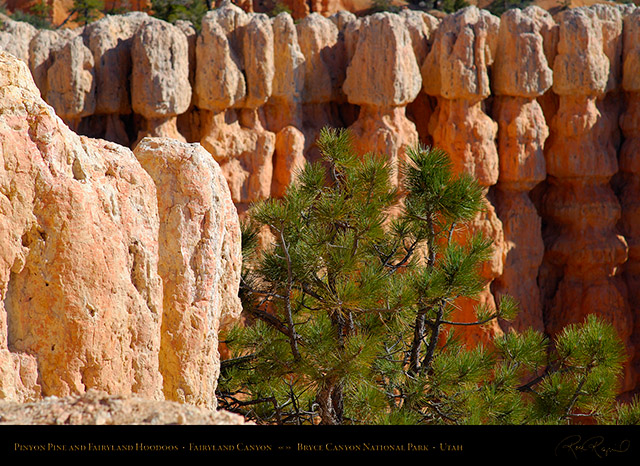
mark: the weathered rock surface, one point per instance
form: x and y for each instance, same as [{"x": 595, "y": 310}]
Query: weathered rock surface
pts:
[
  {"x": 84, "y": 259},
  {"x": 199, "y": 263},
  {"x": 81, "y": 293},
  {"x": 630, "y": 173},
  {"x": 224, "y": 85},
  {"x": 324, "y": 47},
  {"x": 318, "y": 38},
  {"x": 288, "y": 159},
  {"x": 41, "y": 53},
  {"x": 584, "y": 250},
  {"x": 15, "y": 37},
  {"x": 382, "y": 78},
  {"x": 284, "y": 106},
  {"x": 520, "y": 74},
  {"x": 463, "y": 49},
  {"x": 160, "y": 86},
  {"x": 110, "y": 40},
  {"x": 95, "y": 408},
  {"x": 421, "y": 27},
  {"x": 383, "y": 71},
  {"x": 71, "y": 87},
  {"x": 456, "y": 72},
  {"x": 233, "y": 127}
]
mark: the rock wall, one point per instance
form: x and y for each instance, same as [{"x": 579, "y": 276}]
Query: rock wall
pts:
[
  {"x": 541, "y": 109},
  {"x": 91, "y": 235}
]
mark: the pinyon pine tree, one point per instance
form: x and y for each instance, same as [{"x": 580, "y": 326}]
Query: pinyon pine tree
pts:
[{"x": 349, "y": 291}]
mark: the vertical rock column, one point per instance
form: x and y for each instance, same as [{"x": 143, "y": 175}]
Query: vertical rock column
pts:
[
  {"x": 285, "y": 104},
  {"x": 71, "y": 86},
  {"x": 160, "y": 87},
  {"x": 382, "y": 78},
  {"x": 41, "y": 52},
  {"x": 456, "y": 73},
  {"x": 630, "y": 169},
  {"x": 199, "y": 262},
  {"x": 611, "y": 102},
  {"x": 18, "y": 369},
  {"x": 110, "y": 40},
  {"x": 421, "y": 27},
  {"x": 583, "y": 248},
  {"x": 520, "y": 74},
  {"x": 324, "y": 53},
  {"x": 234, "y": 77}
]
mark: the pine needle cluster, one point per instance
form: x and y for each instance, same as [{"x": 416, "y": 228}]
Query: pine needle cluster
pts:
[{"x": 350, "y": 300}]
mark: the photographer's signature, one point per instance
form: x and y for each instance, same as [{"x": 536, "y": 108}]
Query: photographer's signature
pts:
[{"x": 575, "y": 445}]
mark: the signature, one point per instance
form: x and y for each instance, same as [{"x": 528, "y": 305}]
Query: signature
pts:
[{"x": 575, "y": 445}]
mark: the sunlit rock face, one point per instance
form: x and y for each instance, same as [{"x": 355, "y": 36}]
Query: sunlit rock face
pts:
[{"x": 117, "y": 270}]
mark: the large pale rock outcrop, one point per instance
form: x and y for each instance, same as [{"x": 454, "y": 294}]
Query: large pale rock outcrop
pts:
[
  {"x": 456, "y": 72},
  {"x": 584, "y": 249},
  {"x": 113, "y": 277},
  {"x": 81, "y": 298},
  {"x": 319, "y": 41},
  {"x": 382, "y": 78},
  {"x": 41, "y": 52},
  {"x": 262, "y": 88},
  {"x": 520, "y": 74},
  {"x": 289, "y": 75},
  {"x": 110, "y": 40},
  {"x": 200, "y": 261},
  {"x": 383, "y": 74},
  {"x": 221, "y": 86}
]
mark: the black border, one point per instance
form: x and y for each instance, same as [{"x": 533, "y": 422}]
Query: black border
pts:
[{"x": 572, "y": 444}]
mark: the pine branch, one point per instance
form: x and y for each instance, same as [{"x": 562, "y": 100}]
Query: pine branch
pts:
[
  {"x": 577, "y": 391},
  {"x": 228, "y": 363},
  {"x": 269, "y": 319},
  {"x": 293, "y": 336},
  {"x": 433, "y": 342},
  {"x": 470, "y": 324}
]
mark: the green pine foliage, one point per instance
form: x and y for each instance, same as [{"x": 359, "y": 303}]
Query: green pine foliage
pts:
[
  {"x": 278, "y": 8},
  {"x": 188, "y": 10},
  {"x": 450, "y": 6},
  {"x": 497, "y": 7},
  {"x": 447, "y": 6},
  {"x": 349, "y": 310},
  {"x": 381, "y": 6},
  {"x": 38, "y": 15},
  {"x": 86, "y": 11}
]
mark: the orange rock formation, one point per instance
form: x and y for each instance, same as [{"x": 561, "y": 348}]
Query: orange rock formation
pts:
[{"x": 88, "y": 243}]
